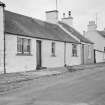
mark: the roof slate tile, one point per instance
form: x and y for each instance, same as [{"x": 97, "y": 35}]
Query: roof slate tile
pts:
[{"x": 75, "y": 33}]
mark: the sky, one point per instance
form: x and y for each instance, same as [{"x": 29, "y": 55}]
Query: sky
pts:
[{"x": 83, "y": 11}]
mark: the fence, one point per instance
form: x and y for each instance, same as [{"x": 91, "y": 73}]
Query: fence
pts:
[{"x": 99, "y": 56}]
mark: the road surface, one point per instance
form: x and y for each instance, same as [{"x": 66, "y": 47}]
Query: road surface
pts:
[{"x": 85, "y": 87}]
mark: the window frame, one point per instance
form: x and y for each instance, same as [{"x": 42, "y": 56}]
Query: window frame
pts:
[
  {"x": 53, "y": 49},
  {"x": 24, "y": 50},
  {"x": 74, "y": 50}
]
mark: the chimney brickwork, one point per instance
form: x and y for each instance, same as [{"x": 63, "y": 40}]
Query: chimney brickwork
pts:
[
  {"x": 92, "y": 26},
  {"x": 52, "y": 16},
  {"x": 68, "y": 20}
]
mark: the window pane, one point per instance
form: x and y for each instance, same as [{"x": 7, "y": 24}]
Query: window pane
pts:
[
  {"x": 53, "y": 48},
  {"x": 25, "y": 44},
  {"x": 74, "y": 50},
  {"x": 29, "y": 44},
  {"x": 19, "y": 45}
]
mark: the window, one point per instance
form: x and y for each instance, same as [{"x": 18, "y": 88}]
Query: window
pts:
[
  {"x": 23, "y": 45},
  {"x": 74, "y": 50},
  {"x": 19, "y": 45},
  {"x": 53, "y": 49}
]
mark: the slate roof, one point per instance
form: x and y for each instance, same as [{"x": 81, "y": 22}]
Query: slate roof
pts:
[
  {"x": 102, "y": 33},
  {"x": 22, "y": 25},
  {"x": 75, "y": 33}
]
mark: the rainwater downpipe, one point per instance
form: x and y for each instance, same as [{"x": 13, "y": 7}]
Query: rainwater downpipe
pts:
[{"x": 65, "y": 54}]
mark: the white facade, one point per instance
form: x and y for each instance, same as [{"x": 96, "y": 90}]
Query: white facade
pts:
[
  {"x": 1, "y": 40},
  {"x": 52, "y": 61},
  {"x": 72, "y": 60},
  {"x": 99, "y": 44},
  {"x": 98, "y": 40},
  {"x": 20, "y": 63},
  {"x": 87, "y": 53},
  {"x": 83, "y": 49}
]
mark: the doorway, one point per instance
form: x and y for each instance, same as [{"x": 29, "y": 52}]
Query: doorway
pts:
[
  {"x": 38, "y": 54},
  {"x": 82, "y": 55}
]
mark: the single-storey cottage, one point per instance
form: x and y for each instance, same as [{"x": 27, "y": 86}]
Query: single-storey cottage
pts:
[
  {"x": 87, "y": 46},
  {"x": 29, "y": 44}
]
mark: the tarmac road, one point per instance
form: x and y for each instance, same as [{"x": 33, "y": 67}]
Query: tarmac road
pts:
[{"x": 84, "y": 88}]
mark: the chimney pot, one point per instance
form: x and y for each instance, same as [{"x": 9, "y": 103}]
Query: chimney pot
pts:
[
  {"x": 68, "y": 20},
  {"x": 69, "y": 13},
  {"x": 2, "y": 4}
]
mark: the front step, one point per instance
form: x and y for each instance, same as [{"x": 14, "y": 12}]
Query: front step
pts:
[{"x": 40, "y": 68}]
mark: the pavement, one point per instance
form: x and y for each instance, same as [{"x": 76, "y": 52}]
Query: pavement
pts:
[
  {"x": 25, "y": 76},
  {"x": 12, "y": 81},
  {"x": 30, "y": 75}
]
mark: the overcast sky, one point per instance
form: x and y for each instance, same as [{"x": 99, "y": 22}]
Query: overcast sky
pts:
[{"x": 82, "y": 10}]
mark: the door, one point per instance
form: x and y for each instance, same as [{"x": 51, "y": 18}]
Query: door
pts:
[
  {"x": 94, "y": 56},
  {"x": 38, "y": 54}
]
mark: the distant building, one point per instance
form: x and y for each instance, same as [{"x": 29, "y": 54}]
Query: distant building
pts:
[{"x": 98, "y": 37}]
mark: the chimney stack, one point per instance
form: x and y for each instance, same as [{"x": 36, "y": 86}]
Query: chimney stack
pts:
[
  {"x": 68, "y": 20},
  {"x": 92, "y": 26},
  {"x": 52, "y": 16}
]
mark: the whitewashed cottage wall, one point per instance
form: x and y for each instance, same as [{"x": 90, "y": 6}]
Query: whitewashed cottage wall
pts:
[
  {"x": 19, "y": 63},
  {"x": 52, "y": 61},
  {"x": 70, "y": 60},
  {"x": 1, "y": 40},
  {"x": 99, "y": 44}
]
